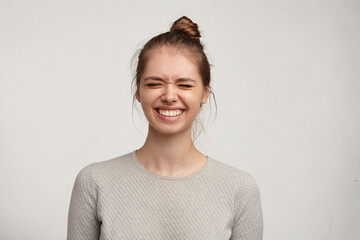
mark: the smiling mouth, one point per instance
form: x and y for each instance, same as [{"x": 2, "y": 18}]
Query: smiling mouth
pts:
[{"x": 169, "y": 113}]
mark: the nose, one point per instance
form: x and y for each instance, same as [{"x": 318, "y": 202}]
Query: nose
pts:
[{"x": 169, "y": 94}]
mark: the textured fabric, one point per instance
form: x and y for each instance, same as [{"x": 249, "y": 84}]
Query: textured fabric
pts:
[{"x": 120, "y": 199}]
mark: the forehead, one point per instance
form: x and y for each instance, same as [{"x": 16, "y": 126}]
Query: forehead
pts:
[{"x": 171, "y": 63}]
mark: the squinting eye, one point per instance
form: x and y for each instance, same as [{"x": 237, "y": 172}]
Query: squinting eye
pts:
[
  {"x": 153, "y": 84},
  {"x": 187, "y": 86}
]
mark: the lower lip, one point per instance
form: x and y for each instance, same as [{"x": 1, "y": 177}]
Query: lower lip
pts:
[{"x": 168, "y": 118}]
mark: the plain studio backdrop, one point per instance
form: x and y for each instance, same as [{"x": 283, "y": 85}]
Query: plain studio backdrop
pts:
[{"x": 286, "y": 76}]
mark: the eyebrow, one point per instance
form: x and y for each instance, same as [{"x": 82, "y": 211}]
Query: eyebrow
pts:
[{"x": 177, "y": 80}]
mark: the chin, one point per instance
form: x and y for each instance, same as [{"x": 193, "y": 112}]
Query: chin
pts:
[{"x": 168, "y": 130}]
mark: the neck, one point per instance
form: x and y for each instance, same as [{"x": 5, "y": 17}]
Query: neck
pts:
[{"x": 170, "y": 155}]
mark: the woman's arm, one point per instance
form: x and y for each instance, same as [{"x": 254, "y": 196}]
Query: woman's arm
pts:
[
  {"x": 83, "y": 222},
  {"x": 248, "y": 222}
]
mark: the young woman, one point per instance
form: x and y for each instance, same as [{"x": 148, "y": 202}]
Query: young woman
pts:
[{"x": 167, "y": 189}]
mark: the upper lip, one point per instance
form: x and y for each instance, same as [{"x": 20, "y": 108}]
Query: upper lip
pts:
[{"x": 169, "y": 108}]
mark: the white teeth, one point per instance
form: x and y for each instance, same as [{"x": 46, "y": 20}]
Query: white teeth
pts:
[{"x": 170, "y": 113}]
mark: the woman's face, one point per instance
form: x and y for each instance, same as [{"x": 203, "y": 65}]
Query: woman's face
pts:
[{"x": 171, "y": 91}]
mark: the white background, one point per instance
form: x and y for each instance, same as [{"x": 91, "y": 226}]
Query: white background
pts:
[{"x": 286, "y": 79}]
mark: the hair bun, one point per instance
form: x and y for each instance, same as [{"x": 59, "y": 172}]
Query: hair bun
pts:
[{"x": 186, "y": 26}]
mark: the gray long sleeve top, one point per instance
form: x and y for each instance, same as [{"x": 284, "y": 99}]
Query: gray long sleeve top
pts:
[{"x": 120, "y": 199}]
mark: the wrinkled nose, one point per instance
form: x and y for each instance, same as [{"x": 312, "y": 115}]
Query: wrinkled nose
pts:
[{"x": 169, "y": 94}]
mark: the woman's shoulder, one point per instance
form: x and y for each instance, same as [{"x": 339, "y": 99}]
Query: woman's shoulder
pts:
[
  {"x": 223, "y": 168},
  {"x": 115, "y": 163},
  {"x": 105, "y": 167},
  {"x": 226, "y": 173}
]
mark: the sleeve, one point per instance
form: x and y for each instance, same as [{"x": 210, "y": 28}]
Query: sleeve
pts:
[
  {"x": 248, "y": 221},
  {"x": 82, "y": 217}
]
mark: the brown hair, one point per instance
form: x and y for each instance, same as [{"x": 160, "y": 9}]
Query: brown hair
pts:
[{"x": 184, "y": 35}]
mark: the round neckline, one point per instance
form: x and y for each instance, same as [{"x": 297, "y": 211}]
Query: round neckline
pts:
[{"x": 135, "y": 158}]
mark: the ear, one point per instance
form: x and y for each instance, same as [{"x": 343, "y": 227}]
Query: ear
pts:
[
  {"x": 205, "y": 94},
  {"x": 137, "y": 94}
]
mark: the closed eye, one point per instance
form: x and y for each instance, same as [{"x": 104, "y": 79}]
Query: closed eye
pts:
[{"x": 153, "y": 84}]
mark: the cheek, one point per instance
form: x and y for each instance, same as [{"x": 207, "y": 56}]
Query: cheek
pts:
[
  {"x": 148, "y": 97},
  {"x": 193, "y": 102}
]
